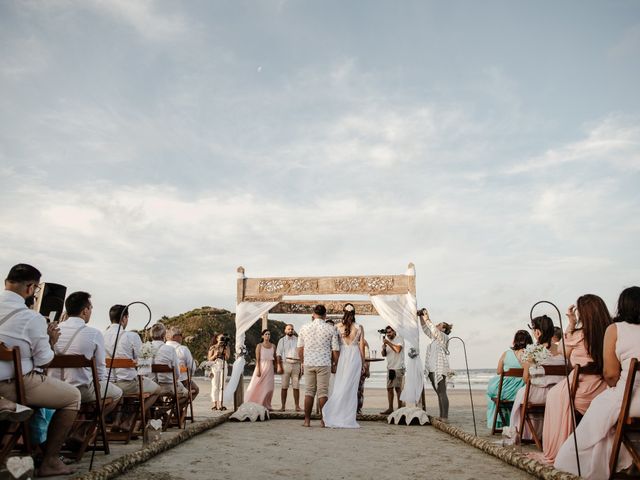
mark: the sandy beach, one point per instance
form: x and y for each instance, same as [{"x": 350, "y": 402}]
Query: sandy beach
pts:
[{"x": 284, "y": 449}]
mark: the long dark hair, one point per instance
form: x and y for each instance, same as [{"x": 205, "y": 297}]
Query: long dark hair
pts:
[
  {"x": 348, "y": 318},
  {"x": 595, "y": 319},
  {"x": 521, "y": 339},
  {"x": 545, "y": 325},
  {"x": 629, "y": 306}
]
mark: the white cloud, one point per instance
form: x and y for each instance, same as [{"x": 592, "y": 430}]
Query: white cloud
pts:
[
  {"x": 144, "y": 16},
  {"x": 614, "y": 141}
]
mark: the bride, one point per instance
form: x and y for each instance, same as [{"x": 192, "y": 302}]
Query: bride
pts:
[{"x": 340, "y": 410}]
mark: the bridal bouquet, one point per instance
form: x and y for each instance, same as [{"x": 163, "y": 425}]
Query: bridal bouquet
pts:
[
  {"x": 145, "y": 358},
  {"x": 147, "y": 351},
  {"x": 535, "y": 354}
]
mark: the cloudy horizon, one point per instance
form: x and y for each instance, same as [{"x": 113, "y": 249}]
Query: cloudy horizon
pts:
[{"x": 149, "y": 148}]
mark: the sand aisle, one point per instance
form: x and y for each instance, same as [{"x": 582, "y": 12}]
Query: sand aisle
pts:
[{"x": 284, "y": 449}]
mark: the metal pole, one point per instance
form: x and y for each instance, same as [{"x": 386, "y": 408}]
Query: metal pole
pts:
[
  {"x": 113, "y": 355},
  {"x": 466, "y": 362},
  {"x": 566, "y": 374}
]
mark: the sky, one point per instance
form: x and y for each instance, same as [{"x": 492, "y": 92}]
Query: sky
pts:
[{"x": 149, "y": 148}]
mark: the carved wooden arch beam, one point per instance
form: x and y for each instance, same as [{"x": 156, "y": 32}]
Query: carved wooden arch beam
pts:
[
  {"x": 334, "y": 307},
  {"x": 275, "y": 288}
]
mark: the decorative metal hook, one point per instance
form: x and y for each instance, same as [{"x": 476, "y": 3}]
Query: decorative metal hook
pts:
[{"x": 566, "y": 374}]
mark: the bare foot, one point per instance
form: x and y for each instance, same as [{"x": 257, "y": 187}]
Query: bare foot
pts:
[
  {"x": 53, "y": 467},
  {"x": 306, "y": 424},
  {"x": 298, "y": 409},
  {"x": 281, "y": 410},
  {"x": 322, "y": 423},
  {"x": 387, "y": 411}
]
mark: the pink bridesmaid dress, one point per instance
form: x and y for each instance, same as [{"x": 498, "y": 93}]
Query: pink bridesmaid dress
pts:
[
  {"x": 595, "y": 432},
  {"x": 557, "y": 413},
  {"x": 260, "y": 389}
]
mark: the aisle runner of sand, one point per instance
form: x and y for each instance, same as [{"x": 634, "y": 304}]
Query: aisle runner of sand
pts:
[{"x": 283, "y": 449}]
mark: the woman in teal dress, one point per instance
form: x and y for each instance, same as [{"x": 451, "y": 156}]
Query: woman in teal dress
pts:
[{"x": 510, "y": 385}]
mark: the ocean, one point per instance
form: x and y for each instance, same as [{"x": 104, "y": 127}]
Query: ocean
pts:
[{"x": 479, "y": 379}]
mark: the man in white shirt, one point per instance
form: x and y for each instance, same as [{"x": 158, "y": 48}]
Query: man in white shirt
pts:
[
  {"x": 129, "y": 345},
  {"x": 289, "y": 366},
  {"x": 185, "y": 359},
  {"x": 77, "y": 338},
  {"x": 28, "y": 330},
  {"x": 392, "y": 348},
  {"x": 318, "y": 350},
  {"x": 166, "y": 355}
]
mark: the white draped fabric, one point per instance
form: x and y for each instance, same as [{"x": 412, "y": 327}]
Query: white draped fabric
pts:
[
  {"x": 247, "y": 313},
  {"x": 399, "y": 311}
]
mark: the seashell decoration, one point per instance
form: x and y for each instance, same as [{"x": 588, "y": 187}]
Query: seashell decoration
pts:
[
  {"x": 250, "y": 411},
  {"x": 409, "y": 416}
]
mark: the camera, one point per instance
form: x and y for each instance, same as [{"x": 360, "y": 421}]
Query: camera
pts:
[
  {"x": 224, "y": 339},
  {"x": 421, "y": 312},
  {"x": 382, "y": 331}
]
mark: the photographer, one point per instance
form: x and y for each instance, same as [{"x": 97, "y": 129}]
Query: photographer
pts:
[
  {"x": 218, "y": 355},
  {"x": 392, "y": 346},
  {"x": 436, "y": 364}
]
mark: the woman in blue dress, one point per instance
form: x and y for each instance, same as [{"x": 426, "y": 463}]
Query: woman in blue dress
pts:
[{"x": 510, "y": 385}]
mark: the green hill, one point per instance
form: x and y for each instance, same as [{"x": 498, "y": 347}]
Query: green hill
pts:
[{"x": 201, "y": 324}]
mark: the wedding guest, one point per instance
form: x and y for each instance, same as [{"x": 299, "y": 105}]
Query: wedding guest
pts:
[
  {"x": 511, "y": 358},
  {"x": 174, "y": 340},
  {"x": 584, "y": 345},
  {"x": 392, "y": 349},
  {"x": 78, "y": 338},
  {"x": 218, "y": 354},
  {"x": 595, "y": 433},
  {"x": 260, "y": 389},
  {"x": 436, "y": 363},
  {"x": 128, "y": 346},
  {"x": 542, "y": 328},
  {"x": 28, "y": 330},
  {"x": 166, "y": 355},
  {"x": 289, "y": 366}
]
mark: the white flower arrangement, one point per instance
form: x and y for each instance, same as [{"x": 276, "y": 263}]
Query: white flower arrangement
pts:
[
  {"x": 147, "y": 351},
  {"x": 412, "y": 353},
  {"x": 535, "y": 354},
  {"x": 349, "y": 308}
]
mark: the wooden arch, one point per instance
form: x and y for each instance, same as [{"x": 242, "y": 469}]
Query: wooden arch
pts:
[{"x": 273, "y": 289}]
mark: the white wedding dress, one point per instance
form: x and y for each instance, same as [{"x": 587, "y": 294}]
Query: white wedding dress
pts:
[{"x": 342, "y": 405}]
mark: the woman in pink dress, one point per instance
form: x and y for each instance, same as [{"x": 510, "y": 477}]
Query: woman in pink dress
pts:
[
  {"x": 542, "y": 328},
  {"x": 583, "y": 343},
  {"x": 260, "y": 389},
  {"x": 595, "y": 432}
]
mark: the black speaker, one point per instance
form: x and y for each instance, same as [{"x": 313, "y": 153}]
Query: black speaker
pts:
[{"x": 50, "y": 300}]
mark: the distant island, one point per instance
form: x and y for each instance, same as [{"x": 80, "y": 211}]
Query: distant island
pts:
[{"x": 201, "y": 324}]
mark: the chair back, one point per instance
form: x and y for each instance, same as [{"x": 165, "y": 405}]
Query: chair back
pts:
[
  {"x": 121, "y": 363},
  {"x": 500, "y": 403},
  {"x": 626, "y": 424},
  {"x": 12, "y": 354}
]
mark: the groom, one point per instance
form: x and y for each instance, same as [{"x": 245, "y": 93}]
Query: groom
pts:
[{"x": 318, "y": 350}]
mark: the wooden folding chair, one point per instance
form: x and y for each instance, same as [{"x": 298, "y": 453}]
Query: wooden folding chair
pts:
[
  {"x": 502, "y": 404},
  {"x": 626, "y": 426},
  {"x": 136, "y": 399},
  {"x": 10, "y": 432},
  {"x": 588, "y": 369},
  {"x": 189, "y": 407},
  {"x": 529, "y": 409},
  {"x": 90, "y": 418},
  {"x": 168, "y": 403}
]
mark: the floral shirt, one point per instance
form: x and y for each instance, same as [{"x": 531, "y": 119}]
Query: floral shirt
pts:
[{"x": 318, "y": 339}]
